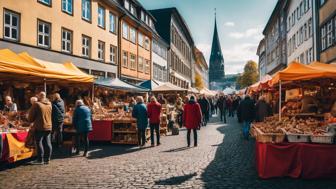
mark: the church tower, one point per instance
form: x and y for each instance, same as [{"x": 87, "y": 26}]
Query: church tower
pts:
[{"x": 216, "y": 70}]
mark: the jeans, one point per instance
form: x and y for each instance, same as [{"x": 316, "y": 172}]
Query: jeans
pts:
[
  {"x": 157, "y": 131},
  {"x": 85, "y": 138},
  {"x": 141, "y": 137},
  {"x": 44, "y": 148},
  {"x": 57, "y": 132},
  {"x": 230, "y": 112},
  {"x": 222, "y": 115},
  {"x": 246, "y": 128},
  {"x": 195, "y": 136}
]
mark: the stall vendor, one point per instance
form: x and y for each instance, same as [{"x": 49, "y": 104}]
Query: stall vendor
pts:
[{"x": 10, "y": 106}]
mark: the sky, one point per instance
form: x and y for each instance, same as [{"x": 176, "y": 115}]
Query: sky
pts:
[{"x": 240, "y": 24}]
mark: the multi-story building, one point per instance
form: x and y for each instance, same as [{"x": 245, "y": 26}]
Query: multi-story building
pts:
[
  {"x": 159, "y": 57},
  {"x": 301, "y": 40},
  {"x": 327, "y": 31},
  {"x": 136, "y": 28},
  {"x": 102, "y": 37},
  {"x": 261, "y": 52},
  {"x": 83, "y": 32},
  {"x": 200, "y": 68},
  {"x": 275, "y": 39},
  {"x": 174, "y": 31}
]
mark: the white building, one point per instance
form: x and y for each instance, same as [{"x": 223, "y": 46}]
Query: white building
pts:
[
  {"x": 261, "y": 52},
  {"x": 300, "y": 31},
  {"x": 159, "y": 57}
]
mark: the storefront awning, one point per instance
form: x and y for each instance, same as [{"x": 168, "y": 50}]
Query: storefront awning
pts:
[
  {"x": 118, "y": 84},
  {"x": 168, "y": 87},
  {"x": 149, "y": 84}
]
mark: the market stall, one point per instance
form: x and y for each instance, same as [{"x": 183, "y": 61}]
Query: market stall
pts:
[
  {"x": 23, "y": 76},
  {"x": 290, "y": 144}
]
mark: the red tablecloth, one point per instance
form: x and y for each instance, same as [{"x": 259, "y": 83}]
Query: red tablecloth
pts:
[
  {"x": 13, "y": 147},
  {"x": 101, "y": 131},
  {"x": 296, "y": 160}
]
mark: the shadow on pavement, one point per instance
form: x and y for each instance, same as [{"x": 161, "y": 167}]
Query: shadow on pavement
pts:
[
  {"x": 175, "y": 180},
  {"x": 234, "y": 166},
  {"x": 177, "y": 149}
]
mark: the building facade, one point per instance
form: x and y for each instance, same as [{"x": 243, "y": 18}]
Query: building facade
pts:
[
  {"x": 159, "y": 57},
  {"x": 102, "y": 37},
  {"x": 327, "y": 31},
  {"x": 275, "y": 34},
  {"x": 200, "y": 69},
  {"x": 301, "y": 38},
  {"x": 261, "y": 52},
  {"x": 216, "y": 63},
  {"x": 172, "y": 28}
]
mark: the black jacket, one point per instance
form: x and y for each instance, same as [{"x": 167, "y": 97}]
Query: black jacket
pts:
[
  {"x": 204, "y": 103},
  {"x": 246, "y": 110},
  {"x": 58, "y": 111}
]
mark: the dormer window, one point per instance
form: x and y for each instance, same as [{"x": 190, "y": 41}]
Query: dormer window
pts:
[
  {"x": 142, "y": 16},
  {"x": 133, "y": 10},
  {"x": 126, "y": 4}
]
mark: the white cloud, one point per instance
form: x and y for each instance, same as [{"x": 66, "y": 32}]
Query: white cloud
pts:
[
  {"x": 206, "y": 49},
  {"x": 255, "y": 33},
  {"x": 229, "y": 24}
]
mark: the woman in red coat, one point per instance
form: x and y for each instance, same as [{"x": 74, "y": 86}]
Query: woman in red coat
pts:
[{"x": 192, "y": 118}]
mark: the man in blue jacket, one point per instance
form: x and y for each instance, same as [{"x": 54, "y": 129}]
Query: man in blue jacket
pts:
[
  {"x": 140, "y": 113},
  {"x": 58, "y": 113},
  {"x": 82, "y": 122}
]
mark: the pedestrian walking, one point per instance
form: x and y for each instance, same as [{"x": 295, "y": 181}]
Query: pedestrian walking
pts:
[
  {"x": 58, "y": 113},
  {"x": 235, "y": 104},
  {"x": 192, "y": 118},
  {"x": 40, "y": 116},
  {"x": 205, "y": 108},
  {"x": 246, "y": 114},
  {"x": 179, "y": 110},
  {"x": 82, "y": 121},
  {"x": 229, "y": 105},
  {"x": 263, "y": 109},
  {"x": 154, "y": 111},
  {"x": 221, "y": 104},
  {"x": 140, "y": 113}
]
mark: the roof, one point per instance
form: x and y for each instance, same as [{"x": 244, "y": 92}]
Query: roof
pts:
[
  {"x": 274, "y": 14},
  {"x": 261, "y": 43},
  {"x": 200, "y": 58},
  {"x": 163, "y": 23},
  {"x": 119, "y": 85},
  {"x": 168, "y": 87}
]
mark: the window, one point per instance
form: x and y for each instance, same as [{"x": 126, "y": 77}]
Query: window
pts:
[
  {"x": 125, "y": 59},
  {"x": 86, "y": 10},
  {"x": 126, "y": 4},
  {"x": 305, "y": 5},
  {"x": 133, "y": 10},
  {"x": 86, "y": 45},
  {"x": 310, "y": 28},
  {"x": 101, "y": 50},
  {"x": 301, "y": 8},
  {"x": 113, "y": 54},
  {"x": 11, "y": 25},
  {"x": 146, "y": 44},
  {"x": 67, "y": 6},
  {"x": 125, "y": 30},
  {"x": 112, "y": 22},
  {"x": 147, "y": 68},
  {"x": 323, "y": 36},
  {"x": 305, "y": 31},
  {"x": 132, "y": 35},
  {"x": 140, "y": 64},
  {"x": 132, "y": 61},
  {"x": 101, "y": 16},
  {"x": 330, "y": 36},
  {"x": 322, "y": 2},
  {"x": 66, "y": 40},
  {"x": 140, "y": 39},
  {"x": 43, "y": 34},
  {"x": 46, "y": 2},
  {"x": 142, "y": 16}
]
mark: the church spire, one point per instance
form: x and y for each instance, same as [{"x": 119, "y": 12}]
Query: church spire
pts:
[{"x": 216, "y": 71}]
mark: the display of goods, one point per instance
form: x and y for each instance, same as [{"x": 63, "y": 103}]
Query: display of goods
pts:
[
  {"x": 292, "y": 108},
  {"x": 326, "y": 138},
  {"x": 269, "y": 137},
  {"x": 268, "y": 128},
  {"x": 291, "y": 137},
  {"x": 329, "y": 118}
]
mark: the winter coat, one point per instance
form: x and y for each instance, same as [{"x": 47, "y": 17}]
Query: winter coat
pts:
[
  {"x": 40, "y": 115},
  {"x": 140, "y": 113},
  {"x": 221, "y": 104},
  {"x": 246, "y": 110},
  {"x": 192, "y": 115},
  {"x": 263, "y": 109},
  {"x": 204, "y": 104},
  {"x": 154, "y": 110},
  {"x": 58, "y": 112},
  {"x": 82, "y": 119}
]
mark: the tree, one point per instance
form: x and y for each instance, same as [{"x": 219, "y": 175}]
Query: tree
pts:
[
  {"x": 198, "y": 81},
  {"x": 250, "y": 74}
]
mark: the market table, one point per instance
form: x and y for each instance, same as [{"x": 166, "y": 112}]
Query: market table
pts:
[
  {"x": 296, "y": 160},
  {"x": 13, "y": 147},
  {"x": 101, "y": 130}
]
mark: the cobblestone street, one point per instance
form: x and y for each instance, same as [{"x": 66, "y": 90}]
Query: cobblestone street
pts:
[{"x": 222, "y": 160}]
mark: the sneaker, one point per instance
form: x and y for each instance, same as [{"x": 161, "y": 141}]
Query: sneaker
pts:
[
  {"x": 46, "y": 162},
  {"x": 36, "y": 162},
  {"x": 195, "y": 145},
  {"x": 85, "y": 154},
  {"x": 152, "y": 145},
  {"x": 158, "y": 144}
]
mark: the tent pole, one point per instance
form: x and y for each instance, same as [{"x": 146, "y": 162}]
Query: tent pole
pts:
[
  {"x": 92, "y": 93},
  {"x": 280, "y": 96},
  {"x": 45, "y": 85}
]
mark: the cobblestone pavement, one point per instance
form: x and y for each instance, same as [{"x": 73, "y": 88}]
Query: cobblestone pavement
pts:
[{"x": 222, "y": 160}]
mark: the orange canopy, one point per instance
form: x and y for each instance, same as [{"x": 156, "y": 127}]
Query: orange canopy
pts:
[
  {"x": 25, "y": 66},
  {"x": 297, "y": 71}
]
